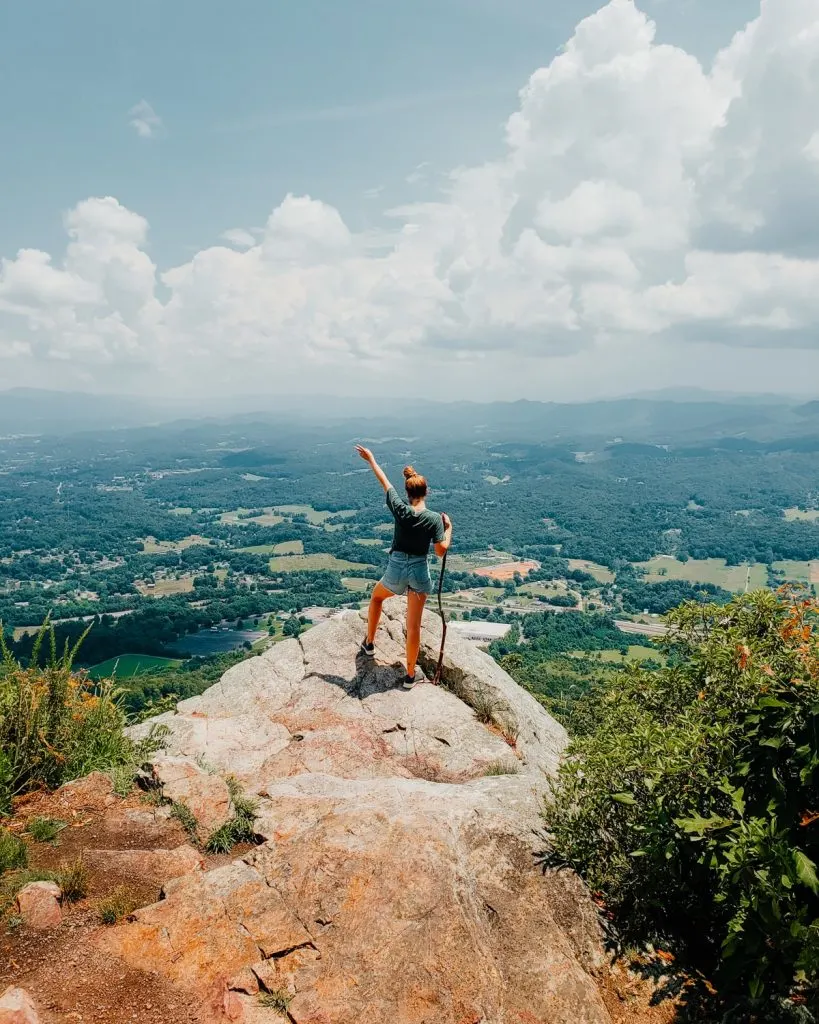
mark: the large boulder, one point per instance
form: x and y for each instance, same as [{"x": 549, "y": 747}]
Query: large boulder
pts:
[
  {"x": 396, "y": 881},
  {"x": 16, "y": 1007},
  {"x": 38, "y": 905}
]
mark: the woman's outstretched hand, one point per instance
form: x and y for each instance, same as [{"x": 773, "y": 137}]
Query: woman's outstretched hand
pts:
[{"x": 365, "y": 453}]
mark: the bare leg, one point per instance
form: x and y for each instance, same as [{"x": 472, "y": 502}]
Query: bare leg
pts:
[
  {"x": 379, "y": 596},
  {"x": 415, "y": 611}
]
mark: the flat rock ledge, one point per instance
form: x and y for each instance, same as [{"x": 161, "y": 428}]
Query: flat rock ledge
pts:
[{"x": 396, "y": 880}]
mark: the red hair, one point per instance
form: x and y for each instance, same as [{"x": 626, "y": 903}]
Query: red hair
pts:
[{"x": 415, "y": 484}]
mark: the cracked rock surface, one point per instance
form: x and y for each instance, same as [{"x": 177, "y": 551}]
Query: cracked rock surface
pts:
[{"x": 396, "y": 880}]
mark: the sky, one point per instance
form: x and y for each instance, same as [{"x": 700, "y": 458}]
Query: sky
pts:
[{"x": 491, "y": 199}]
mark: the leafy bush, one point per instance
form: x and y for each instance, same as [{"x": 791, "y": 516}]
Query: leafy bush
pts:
[
  {"x": 690, "y": 802},
  {"x": 55, "y": 725}
]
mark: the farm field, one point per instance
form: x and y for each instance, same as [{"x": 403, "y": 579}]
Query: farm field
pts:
[
  {"x": 476, "y": 559},
  {"x": 126, "y": 665},
  {"x": 164, "y": 588},
  {"x": 356, "y": 584},
  {"x": 314, "y": 517},
  {"x": 810, "y": 515},
  {"x": 636, "y": 654},
  {"x": 238, "y": 517},
  {"x": 707, "y": 570},
  {"x": 506, "y": 570},
  {"x": 152, "y": 546},
  {"x": 600, "y": 572},
  {"x": 805, "y": 572},
  {"x": 286, "y": 547},
  {"x": 302, "y": 563}
]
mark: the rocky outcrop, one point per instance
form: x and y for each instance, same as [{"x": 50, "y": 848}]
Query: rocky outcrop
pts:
[
  {"x": 16, "y": 1007},
  {"x": 396, "y": 881}
]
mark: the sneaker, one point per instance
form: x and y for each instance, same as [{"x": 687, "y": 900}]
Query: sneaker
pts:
[
  {"x": 409, "y": 681},
  {"x": 368, "y": 650}
]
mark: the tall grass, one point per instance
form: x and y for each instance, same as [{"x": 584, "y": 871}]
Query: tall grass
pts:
[{"x": 55, "y": 724}]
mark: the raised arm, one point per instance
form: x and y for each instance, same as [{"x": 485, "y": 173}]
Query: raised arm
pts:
[
  {"x": 380, "y": 475},
  {"x": 441, "y": 547}
]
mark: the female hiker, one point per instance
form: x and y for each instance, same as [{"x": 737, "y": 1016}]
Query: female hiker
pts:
[{"x": 416, "y": 527}]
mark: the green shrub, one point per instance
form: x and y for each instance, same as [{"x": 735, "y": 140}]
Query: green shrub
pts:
[
  {"x": 55, "y": 725},
  {"x": 187, "y": 819},
  {"x": 240, "y": 829},
  {"x": 691, "y": 800},
  {"x": 45, "y": 830},
  {"x": 278, "y": 1000},
  {"x": 13, "y": 852}
]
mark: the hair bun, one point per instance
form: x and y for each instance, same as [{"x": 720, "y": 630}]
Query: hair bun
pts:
[{"x": 409, "y": 472}]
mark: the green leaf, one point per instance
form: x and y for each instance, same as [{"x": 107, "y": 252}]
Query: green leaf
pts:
[
  {"x": 624, "y": 798},
  {"x": 698, "y": 825},
  {"x": 806, "y": 870}
]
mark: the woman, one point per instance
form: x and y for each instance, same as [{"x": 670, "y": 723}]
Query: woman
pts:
[{"x": 416, "y": 527}]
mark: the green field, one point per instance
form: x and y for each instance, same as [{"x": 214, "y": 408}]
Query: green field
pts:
[
  {"x": 314, "y": 517},
  {"x": 369, "y": 542},
  {"x": 238, "y": 517},
  {"x": 127, "y": 665},
  {"x": 637, "y": 653},
  {"x": 804, "y": 572},
  {"x": 810, "y": 515},
  {"x": 302, "y": 563},
  {"x": 600, "y": 572},
  {"x": 152, "y": 546},
  {"x": 707, "y": 570},
  {"x": 542, "y": 589},
  {"x": 289, "y": 547},
  {"x": 285, "y": 547}
]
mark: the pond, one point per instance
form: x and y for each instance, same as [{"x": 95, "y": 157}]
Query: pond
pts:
[{"x": 218, "y": 641}]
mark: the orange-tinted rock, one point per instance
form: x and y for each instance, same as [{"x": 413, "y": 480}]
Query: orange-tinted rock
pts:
[
  {"x": 16, "y": 1007},
  {"x": 38, "y": 904},
  {"x": 160, "y": 865},
  {"x": 205, "y": 795}
]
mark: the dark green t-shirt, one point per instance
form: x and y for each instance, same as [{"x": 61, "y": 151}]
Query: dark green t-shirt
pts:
[{"x": 415, "y": 529}]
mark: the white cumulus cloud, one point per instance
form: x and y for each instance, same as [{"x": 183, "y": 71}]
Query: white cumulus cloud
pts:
[{"x": 642, "y": 199}]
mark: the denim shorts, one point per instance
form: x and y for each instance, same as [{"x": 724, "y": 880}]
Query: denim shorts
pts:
[{"x": 407, "y": 572}]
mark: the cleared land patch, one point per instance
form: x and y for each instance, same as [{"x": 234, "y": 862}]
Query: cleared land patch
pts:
[
  {"x": 636, "y": 654},
  {"x": 810, "y": 515},
  {"x": 126, "y": 665},
  {"x": 506, "y": 570},
  {"x": 706, "y": 570},
  {"x": 240, "y": 517},
  {"x": 600, "y": 572},
  {"x": 152, "y": 546},
  {"x": 804, "y": 572},
  {"x": 164, "y": 588},
  {"x": 495, "y": 480},
  {"x": 306, "y": 563},
  {"x": 314, "y": 516},
  {"x": 369, "y": 542},
  {"x": 356, "y": 584}
]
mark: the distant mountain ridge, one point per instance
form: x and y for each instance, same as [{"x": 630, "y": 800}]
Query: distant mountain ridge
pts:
[{"x": 660, "y": 420}]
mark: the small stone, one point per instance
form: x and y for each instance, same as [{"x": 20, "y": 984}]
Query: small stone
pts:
[{"x": 38, "y": 904}]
